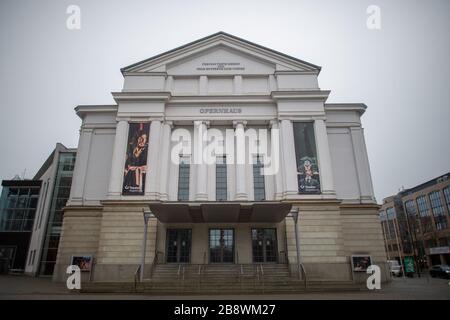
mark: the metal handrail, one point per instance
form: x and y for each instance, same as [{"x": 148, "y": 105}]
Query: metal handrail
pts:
[
  {"x": 304, "y": 274},
  {"x": 154, "y": 262},
  {"x": 179, "y": 270},
  {"x": 136, "y": 278},
  {"x": 257, "y": 272}
]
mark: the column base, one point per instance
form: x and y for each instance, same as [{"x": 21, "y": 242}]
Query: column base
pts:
[
  {"x": 201, "y": 197},
  {"x": 152, "y": 195},
  {"x": 241, "y": 197}
]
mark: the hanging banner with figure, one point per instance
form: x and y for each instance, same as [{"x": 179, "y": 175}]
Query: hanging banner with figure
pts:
[
  {"x": 306, "y": 156},
  {"x": 136, "y": 159}
]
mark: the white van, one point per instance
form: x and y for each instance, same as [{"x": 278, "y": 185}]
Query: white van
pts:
[{"x": 395, "y": 268}]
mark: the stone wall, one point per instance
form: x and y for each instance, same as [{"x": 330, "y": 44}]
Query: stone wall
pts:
[
  {"x": 363, "y": 235},
  {"x": 321, "y": 241},
  {"x": 120, "y": 242},
  {"x": 79, "y": 236}
]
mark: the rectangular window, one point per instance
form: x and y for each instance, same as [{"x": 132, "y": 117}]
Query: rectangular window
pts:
[
  {"x": 221, "y": 178},
  {"x": 447, "y": 198},
  {"x": 390, "y": 213},
  {"x": 184, "y": 170},
  {"x": 440, "y": 220},
  {"x": 18, "y": 208},
  {"x": 412, "y": 213},
  {"x": 259, "y": 188},
  {"x": 423, "y": 208},
  {"x": 306, "y": 156},
  {"x": 410, "y": 208}
]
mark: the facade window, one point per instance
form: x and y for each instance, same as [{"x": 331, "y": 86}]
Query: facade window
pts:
[
  {"x": 18, "y": 208},
  {"x": 447, "y": 198},
  {"x": 184, "y": 170},
  {"x": 410, "y": 208},
  {"x": 259, "y": 188},
  {"x": 423, "y": 208},
  {"x": 390, "y": 213},
  {"x": 440, "y": 220},
  {"x": 412, "y": 213},
  {"x": 60, "y": 195},
  {"x": 424, "y": 214},
  {"x": 221, "y": 178},
  {"x": 306, "y": 157}
]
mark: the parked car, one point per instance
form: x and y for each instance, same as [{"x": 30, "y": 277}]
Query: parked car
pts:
[
  {"x": 440, "y": 271},
  {"x": 395, "y": 268}
]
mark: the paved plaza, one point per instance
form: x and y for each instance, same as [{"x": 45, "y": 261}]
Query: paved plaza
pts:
[{"x": 24, "y": 287}]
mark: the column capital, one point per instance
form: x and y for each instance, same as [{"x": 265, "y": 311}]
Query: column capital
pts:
[
  {"x": 200, "y": 122},
  {"x": 169, "y": 123},
  {"x": 274, "y": 123},
  {"x": 238, "y": 122}
]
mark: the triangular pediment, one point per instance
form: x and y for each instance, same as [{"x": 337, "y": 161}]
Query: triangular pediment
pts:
[
  {"x": 220, "y": 59},
  {"x": 221, "y": 53}
]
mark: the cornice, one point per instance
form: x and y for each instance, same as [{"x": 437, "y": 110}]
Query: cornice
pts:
[
  {"x": 81, "y": 110},
  {"x": 319, "y": 95},
  {"x": 358, "y": 107},
  {"x": 220, "y": 99},
  {"x": 140, "y": 96}
]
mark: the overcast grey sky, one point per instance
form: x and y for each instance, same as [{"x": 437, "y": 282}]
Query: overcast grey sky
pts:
[{"x": 402, "y": 72}]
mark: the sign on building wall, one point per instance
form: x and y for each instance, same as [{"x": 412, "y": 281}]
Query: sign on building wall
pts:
[
  {"x": 136, "y": 159},
  {"x": 360, "y": 263},
  {"x": 83, "y": 262},
  {"x": 306, "y": 156}
]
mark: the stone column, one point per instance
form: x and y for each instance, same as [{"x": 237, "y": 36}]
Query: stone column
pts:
[
  {"x": 275, "y": 138},
  {"x": 118, "y": 159},
  {"x": 241, "y": 160},
  {"x": 201, "y": 185},
  {"x": 323, "y": 153},
  {"x": 289, "y": 163},
  {"x": 154, "y": 152},
  {"x": 165, "y": 160},
  {"x": 362, "y": 164},
  {"x": 78, "y": 180}
]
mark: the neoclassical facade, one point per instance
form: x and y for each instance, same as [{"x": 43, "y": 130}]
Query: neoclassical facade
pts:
[{"x": 279, "y": 152}]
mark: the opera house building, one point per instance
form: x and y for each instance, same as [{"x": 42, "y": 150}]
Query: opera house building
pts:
[{"x": 227, "y": 157}]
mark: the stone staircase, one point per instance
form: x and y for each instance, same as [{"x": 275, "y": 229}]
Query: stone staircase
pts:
[{"x": 219, "y": 279}]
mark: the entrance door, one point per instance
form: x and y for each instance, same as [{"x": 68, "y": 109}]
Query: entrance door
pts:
[
  {"x": 264, "y": 245},
  {"x": 221, "y": 245},
  {"x": 179, "y": 245}
]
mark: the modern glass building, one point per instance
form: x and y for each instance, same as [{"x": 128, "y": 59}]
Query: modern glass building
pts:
[
  {"x": 416, "y": 223},
  {"x": 18, "y": 203},
  {"x": 56, "y": 178},
  {"x": 59, "y": 198}
]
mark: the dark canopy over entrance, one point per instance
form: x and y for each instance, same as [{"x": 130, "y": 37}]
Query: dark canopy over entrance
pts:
[{"x": 220, "y": 212}]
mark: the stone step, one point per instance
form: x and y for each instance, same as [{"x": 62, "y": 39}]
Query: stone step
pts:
[{"x": 215, "y": 290}]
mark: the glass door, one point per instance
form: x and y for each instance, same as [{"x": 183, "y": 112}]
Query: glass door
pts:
[
  {"x": 264, "y": 245},
  {"x": 179, "y": 245},
  {"x": 221, "y": 245}
]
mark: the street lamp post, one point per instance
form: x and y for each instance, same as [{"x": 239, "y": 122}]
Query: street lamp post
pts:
[{"x": 147, "y": 214}]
